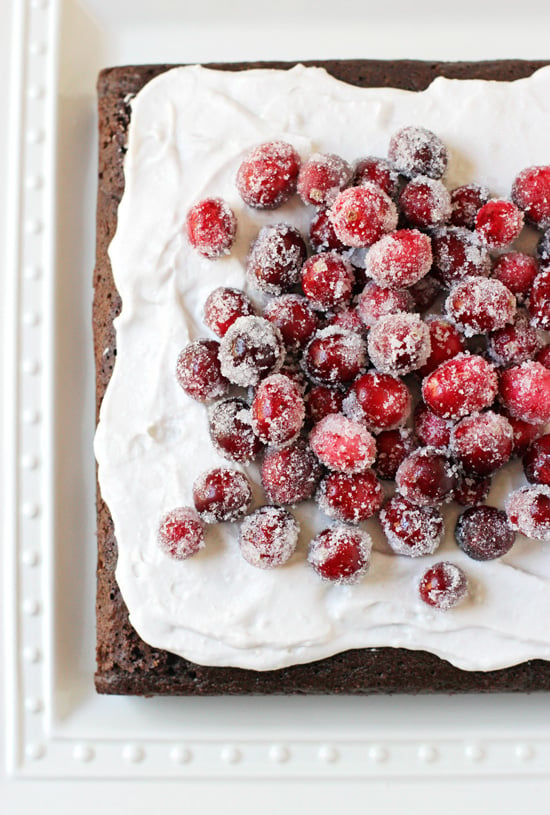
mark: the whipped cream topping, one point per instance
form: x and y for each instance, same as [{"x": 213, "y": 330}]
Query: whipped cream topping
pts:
[{"x": 190, "y": 129}]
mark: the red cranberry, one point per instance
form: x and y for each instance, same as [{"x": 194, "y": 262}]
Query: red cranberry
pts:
[
  {"x": 268, "y": 537},
  {"x": 472, "y": 490},
  {"x": 327, "y": 281},
  {"x": 276, "y": 258},
  {"x": 499, "y": 223},
  {"x": 198, "y": 371},
  {"x": 350, "y": 498},
  {"x": 322, "y": 177},
  {"x": 543, "y": 356},
  {"x": 443, "y": 586},
  {"x": 320, "y": 401},
  {"x": 426, "y": 477},
  {"x": 348, "y": 319},
  {"x": 483, "y": 442},
  {"x": 251, "y": 349},
  {"x": 517, "y": 271},
  {"x": 321, "y": 233},
  {"x": 223, "y": 306},
  {"x": 361, "y": 215},
  {"x": 377, "y": 171},
  {"x": 466, "y": 202},
  {"x": 181, "y": 533},
  {"x": 290, "y": 475},
  {"x": 232, "y": 433},
  {"x": 539, "y": 301},
  {"x": 525, "y": 392},
  {"x": 514, "y": 343},
  {"x": 458, "y": 253},
  {"x": 211, "y": 226},
  {"x": 417, "y": 151},
  {"x": 267, "y": 176},
  {"x": 425, "y": 202},
  {"x": 399, "y": 343},
  {"x": 462, "y": 385},
  {"x": 335, "y": 356},
  {"x": 431, "y": 429},
  {"x": 536, "y": 461},
  {"x": 376, "y": 301},
  {"x": 524, "y": 433},
  {"x": 295, "y": 319},
  {"x": 483, "y": 533},
  {"x": 278, "y": 410},
  {"x": 410, "y": 529},
  {"x": 342, "y": 444},
  {"x": 399, "y": 259},
  {"x": 528, "y": 511},
  {"x": 392, "y": 447},
  {"x": 221, "y": 494},
  {"x": 446, "y": 342},
  {"x": 531, "y": 193},
  {"x": 543, "y": 251},
  {"x": 479, "y": 305},
  {"x": 340, "y": 554},
  {"x": 425, "y": 292},
  {"x": 380, "y": 401}
]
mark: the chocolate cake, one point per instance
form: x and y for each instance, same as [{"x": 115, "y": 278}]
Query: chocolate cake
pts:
[{"x": 127, "y": 665}]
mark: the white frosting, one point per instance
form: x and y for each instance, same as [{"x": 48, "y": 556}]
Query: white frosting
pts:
[{"x": 190, "y": 129}]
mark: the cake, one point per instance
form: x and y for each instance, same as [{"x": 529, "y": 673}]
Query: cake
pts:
[{"x": 127, "y": 664}]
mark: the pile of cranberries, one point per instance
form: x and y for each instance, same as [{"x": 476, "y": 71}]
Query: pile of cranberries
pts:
[{"x": 320, "y": 383}]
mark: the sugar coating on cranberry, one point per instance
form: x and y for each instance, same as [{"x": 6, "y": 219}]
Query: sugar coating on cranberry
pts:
[
  {"x": 528, "y": 511},
  {"x": 221, "y": 494},
  {"x": 483, "y": 442},
  {"x": 278, "y": 410},
  {"x": 231, "y": 431},
  {"x": 472, "y": 490},
  {"x": 410, "y": 529},
  {"x": 418, "y": 151},
  {"x": 276, "y": 258},
  {"x": 393, "y": 447},
  {"x": 378, "y": 171},
  {"x": 531, "y": 193},
  {"x": 525, "y": 392},
  {"x": 462, "y": 385},
  {"x": 446, "y": 341},
  {"x": 290, "y": 475},
  {"x": 380, "y": 401},
  {"x": 431, "y": 429},
  {"x": 211, "y": 227},
  {"x": 340, "y": 554},
  {"x": 399, "y": 343},
  {"x": 350, "y": 498},
  {"x": 322, "y": 177},
  {"x": 399, "y": 259},
  {"x": 294, "y": 317},
  {"x": 342, "y": 444},
  {"x": 199, "y": 373},
  {"x": 517, "y": 271},
  {"x": 321, "y": 232},
  {"x": 514, "y": 343},
  {"x": 426, "y": 477},
  {"x": 499, "y": 223},
  {"x": 335, "y": 356},
  {"x": 181, "y": 533},
  {"x": 483, "y": 533},
  {"x": 268, "y": 175},
  {"x": 268, "y": 537},
  {"x": 466, "y": 201},
  {"x": 376, "y": 301},
  {"x": 349, "y": 319},
  {"x": 425, "y": 202},
  {"x": 425, "y": 292},
  {"x": 539, "y": 301},
  {"x": 536, "y": 461},
  {"x": 327, "y": 281},
  {"x": 479, "y": 305},
  {"x": 459, "y": 253},
  {"x": 443, "y": 586},
  {"x": 361, "y": 215},
  {"x": 251, "y": 349},
  {"x": 223, "y": 306}
]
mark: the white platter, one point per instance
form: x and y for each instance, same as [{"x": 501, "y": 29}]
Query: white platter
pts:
[{"x": 58, "y": 728}]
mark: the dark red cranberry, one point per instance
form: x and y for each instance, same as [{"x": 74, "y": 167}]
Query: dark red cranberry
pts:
[
  {"x": 349, "y": 319},
  {"x": 223, "y": 306},
  {"x": 399, "y": 259},
  {"x": 377, "y": 171},
  {"x": 431, "y": 429},
  {"x": 321, "y": 233},
  {"x": 479, "y": 305},
  {"x": 392, "y": 447},
  {"x": 278, "y": 410},
  {"x": 524, "y": 433},
  {"x": 198, "y": 371},
  {"x": 251, "y": 349},
  {"x": 221, "y": 494},
  {"x": 458, "y": 253},
  {"x": 290, "y": 475},
  {"x": 499, "y": 223},
  {"x": 327, "y": 281},
  {"x": 425, "y": 202},
  {"x": 514, "y": 343},
  {"x": 425, "y": 292},
  {"x": 543, "y": 251},
  {"x": 446, "y": 342},
  {"x": 483, "y": 533},
  {"x": 525, "y": 392},
  {"x": 543, "y": 356},
  {"x": 340, "y": 554},
  {"x": 361, "y": 215},
  {"x": 466, "y": 202},
  {"x": 211, "y": 227},
  {"x": 181, "y": 533},
  {"x": 295, "y": 319},
  {"x": 517, "y": 271},
  {"x": 482, "y": 443},
  {"x": 342, "y": 444},
  {"x": 472, "y": 490},
  {"x": 335, "y": 356},
  {"x": 410, "y": 529},
  {"x": 531, "y": 193},
  {"x": 426, "y": 477},
  {"x": 528, "y": 511},
  {"x": 539, "y": 301},
  {"x": 399, "y": 343},
  {"x": 267, "y": 176},
  {"x": 232, "y": 433},
  {"x": 350, "y": 498},
  {"x": 377, "y": 301},
  {"x": 443, "y": 586},
  {"x": 380, "y": 401},
  {"x": 268, "y": 537},
  {"x": 322, "y": 177},
  {"x": 536, "y": 461},
  {"x": 462, "y": 385},
  {"x": 276, "y": 258},
  {"x": 417, "y": 151},
  {"x": 320, "y": 401}
]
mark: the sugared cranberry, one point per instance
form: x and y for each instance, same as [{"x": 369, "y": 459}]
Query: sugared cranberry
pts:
[
  {"x": 418, "y": 151},
  {"x": 425, "y": 202},
  {"x": 251, "y": 349},
  {"x": 514, "y": 343},
  {"x": 479, "y": 305},
  {"x": 342, "y": 444},
  {"x": 472, "y": 490},
  {"x": 322, "y": 177},
  {"x": 340, "y": 554},
  {"x": 321, "y": 233},
  {"x": 466, "y": 202},
  {"x": 198, "y": 371},
  {"x": 517, "y": 271},
  {"x": 349, "y": 319},
  {"x": 528, "y": 511},
  {"x": 290, "y": 475},
  {"x": 443, "y": 586},
  {"x": 221, "y": 494},
  {"x": 410, "y": 529},
  {"x": 268, "y": 537},
  {"x": 399, "y": 259},
  {"x": 320, "y": 401},
  {"x": 543, "y": 356},
  {"x": 458, "y": 253},
  {"x": 539, "y": 301},
  {"x": 361, "y": 215},
  {"x": 392, "y": 447},
  {"x": 276, "y": 258},
  {"x": 232, "y": 433},
  {"x": 295, "y": 319},
  {"x": 531, "y": 193},
  {"x": 425, "y": 292},
  {"x": 499, "y": 223},
  {"x": 524, "y": 433},
  {"x": 350, "y": 498},
  {"x": 462, "y": 385},
  {"x": 377, "y": 301},
  {"x": 211, "y": 227},
  {"x": 267, "y": 176},
  {"x": 484, "y": 533},
  {"x": 335, "y": 356},
  {"x": 543, "y": 251},
  {"x": 431, "y": 429},
  {"x": 223, "y": 306},
  {"x": 426, "y": 477},
  {"x": 536, "y": 461},
  {"x": 278, "y": 410},
  {"x": 399, "y": 343},
  {"x": 446, "y": 342},
  {"x": 327, "y": 281},
  {"x": 181, "y": 533},
  {"x": 483, "y": 442},
  {"x": 525, "y": 392},
  {"x": 380, "y": 401}
]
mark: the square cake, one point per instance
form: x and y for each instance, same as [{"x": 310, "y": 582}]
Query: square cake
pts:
[{"x": 213, "y": 624}]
